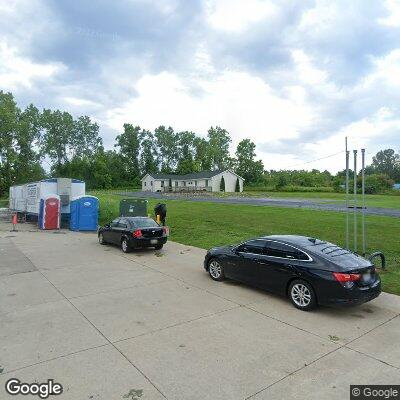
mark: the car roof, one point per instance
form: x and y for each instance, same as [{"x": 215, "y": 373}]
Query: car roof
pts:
[
  {"x": 329, "y": 251},
  {"x": 135, "y": 218},
  {"x": 298, "y": 240}
]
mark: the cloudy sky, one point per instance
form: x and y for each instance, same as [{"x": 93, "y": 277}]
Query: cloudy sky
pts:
[{"x": 294, "y": 76}]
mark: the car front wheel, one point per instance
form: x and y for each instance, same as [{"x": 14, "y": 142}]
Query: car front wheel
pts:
[
  {"x": 302, "y": 295},
  {"x": 125, "y": 246},
  {"x": 216, "y": 270}
]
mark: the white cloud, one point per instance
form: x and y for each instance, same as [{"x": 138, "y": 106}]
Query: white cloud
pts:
[
  {"x": 307, "y": 72},
  {"x": 393, "y": 19},
  {"x": 243, "y": 104},
  {"x": 17, "y": 71},
  {"x": 237, "y": 15}
]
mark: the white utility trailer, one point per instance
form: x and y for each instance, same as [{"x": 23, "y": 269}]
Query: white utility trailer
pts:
[{"x": 25, "y": 199}]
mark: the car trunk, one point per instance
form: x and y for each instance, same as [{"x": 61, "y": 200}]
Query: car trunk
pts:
[
  {"x": 368, "y": 275},
  {"x": 150, "y": 233}
]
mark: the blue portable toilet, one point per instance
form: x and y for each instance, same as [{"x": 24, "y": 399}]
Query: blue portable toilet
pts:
[{"x": 84, "y": 213}]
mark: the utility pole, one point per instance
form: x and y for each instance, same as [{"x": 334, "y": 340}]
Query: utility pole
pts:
[
  {"x": 363, "y": 201},
  {"x": 355, "y": 201},
  {"x": 347, "y": 195}
]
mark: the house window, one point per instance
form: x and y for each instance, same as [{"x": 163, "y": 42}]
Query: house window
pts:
[
  {"x": 176, "y": 183},
  {"x": 145, "y": 184},
  {"x": 184, "y": 183},
  {"x": 151, "y": 183},
  {"x": 162, "y": 183},
  {"x": 195, "y": 183},
  {"x": 206, "y": 182}
]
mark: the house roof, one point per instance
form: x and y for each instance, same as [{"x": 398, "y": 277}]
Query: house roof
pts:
[{"x": 194, "y": 175}]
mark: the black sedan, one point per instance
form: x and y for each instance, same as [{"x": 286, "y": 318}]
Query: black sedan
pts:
[
  {"x": 133, "y": 232},
  {"x": 307, "y": 270}
]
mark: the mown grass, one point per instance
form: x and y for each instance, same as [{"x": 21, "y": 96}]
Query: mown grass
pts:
[{"x": 205, "y": 225}]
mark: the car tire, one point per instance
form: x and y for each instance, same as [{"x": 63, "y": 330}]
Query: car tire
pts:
[
  {"x": 216, "y": 270},
  {"x": 125, "y": 245},
  {"x": 101, "y": 239},
  {"x": 159, "y": 247},
  {"x": 302, "y": 295}
]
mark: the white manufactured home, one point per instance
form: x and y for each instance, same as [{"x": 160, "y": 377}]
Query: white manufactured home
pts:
[{"x": 209, "y": 181}]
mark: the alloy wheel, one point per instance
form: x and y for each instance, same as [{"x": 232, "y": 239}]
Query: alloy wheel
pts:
[
  {"x": 124, "y": 246},
  {"x": 215, "y": 269},
  {"x": 301, "y": 295}
]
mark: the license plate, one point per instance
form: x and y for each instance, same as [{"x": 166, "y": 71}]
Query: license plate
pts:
[
  {"x": 367, "y": 277},
  {"x": 153, "y": 241}
]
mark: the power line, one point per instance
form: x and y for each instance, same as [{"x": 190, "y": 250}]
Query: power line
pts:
[{"x": 317, "y": 159}]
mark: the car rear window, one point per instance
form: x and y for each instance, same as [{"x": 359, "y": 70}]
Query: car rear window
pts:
[{"x": 144, "y": 223}]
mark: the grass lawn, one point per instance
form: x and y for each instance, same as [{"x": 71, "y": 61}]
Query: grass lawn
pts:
[
  {"x": 372, "y": 200},
  {"x": 206, "y": 225}
]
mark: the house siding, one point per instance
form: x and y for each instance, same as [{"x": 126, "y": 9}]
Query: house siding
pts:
[
  {"x": 150, "y": 184},
  {"x": 230, "y": 182}
]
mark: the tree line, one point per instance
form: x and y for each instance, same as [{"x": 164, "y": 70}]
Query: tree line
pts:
[{"x": 72, "y": 147}]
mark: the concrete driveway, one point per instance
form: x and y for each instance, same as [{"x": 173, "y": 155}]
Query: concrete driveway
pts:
[{"x": 104, "y": 324}]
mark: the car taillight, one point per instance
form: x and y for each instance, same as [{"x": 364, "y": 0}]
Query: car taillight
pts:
[
  {"x": 137, "y": 233},
  {"x": 340, "y": 277},
  {"x": 166, "y": 230}
]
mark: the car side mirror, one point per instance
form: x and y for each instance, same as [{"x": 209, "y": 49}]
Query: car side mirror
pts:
[{"x": 107, "y": 225}]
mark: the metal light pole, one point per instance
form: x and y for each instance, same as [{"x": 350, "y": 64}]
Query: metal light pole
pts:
[
  {"x": 347, "y": 196},
  {"x": 363, "y": 200},
  {"x": 355, "y": 201}
]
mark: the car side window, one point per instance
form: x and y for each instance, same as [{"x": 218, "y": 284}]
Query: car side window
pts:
[
  {"x": 281, "y": 250},
  {"x": 123, "y": 223},
  {"x": 253, "y": 247},
  {"x": 114, "y": 223}
]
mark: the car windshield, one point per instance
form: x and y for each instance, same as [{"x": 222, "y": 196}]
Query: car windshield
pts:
[{"x": 144, "y": 223}]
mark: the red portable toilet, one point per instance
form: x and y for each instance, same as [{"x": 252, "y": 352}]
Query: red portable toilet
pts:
[{"x": 49, "y": 212}]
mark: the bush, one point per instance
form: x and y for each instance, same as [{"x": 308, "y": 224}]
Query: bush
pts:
[
  {"x": 237, "y": 186},
  {"x": 222, "y": 185},
  {"x": 375, "y": 183}
]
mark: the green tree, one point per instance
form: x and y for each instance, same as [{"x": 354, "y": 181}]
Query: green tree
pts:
[
  {"x": 56, "y": 140},
  {"x": 202, "y": 157},
  {"x": 247, "y": 167},
  {"x": 185, "y": 143},
  {"x": 166, "y": 140},
  {"x": 387, "y": 162},
  {"x": 222, "y": 185},
  {"x": 85, "y": 139},
  {"x": 218, "y": 147},
  {"x": 8, "y": 127},
  {"x": 27, "y": 138},
  {"x": 148, "y": 154},
  {"x": 129, "y": 148}
]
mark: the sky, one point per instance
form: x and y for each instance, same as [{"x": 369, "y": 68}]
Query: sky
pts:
[{"x": 296, "y": 77}]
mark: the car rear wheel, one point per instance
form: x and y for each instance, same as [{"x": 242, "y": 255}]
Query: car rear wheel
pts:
[
  {"x": 101, "y": 239},
  {"x": 125, "y": 246},
  {"x": 302, "y": 295},
  {"x": 216, "y": 270}
]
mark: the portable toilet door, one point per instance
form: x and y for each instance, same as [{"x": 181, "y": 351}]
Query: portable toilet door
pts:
[
  {"x": 84, "y": 213},
  {"x": 49, "y": 212}
]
